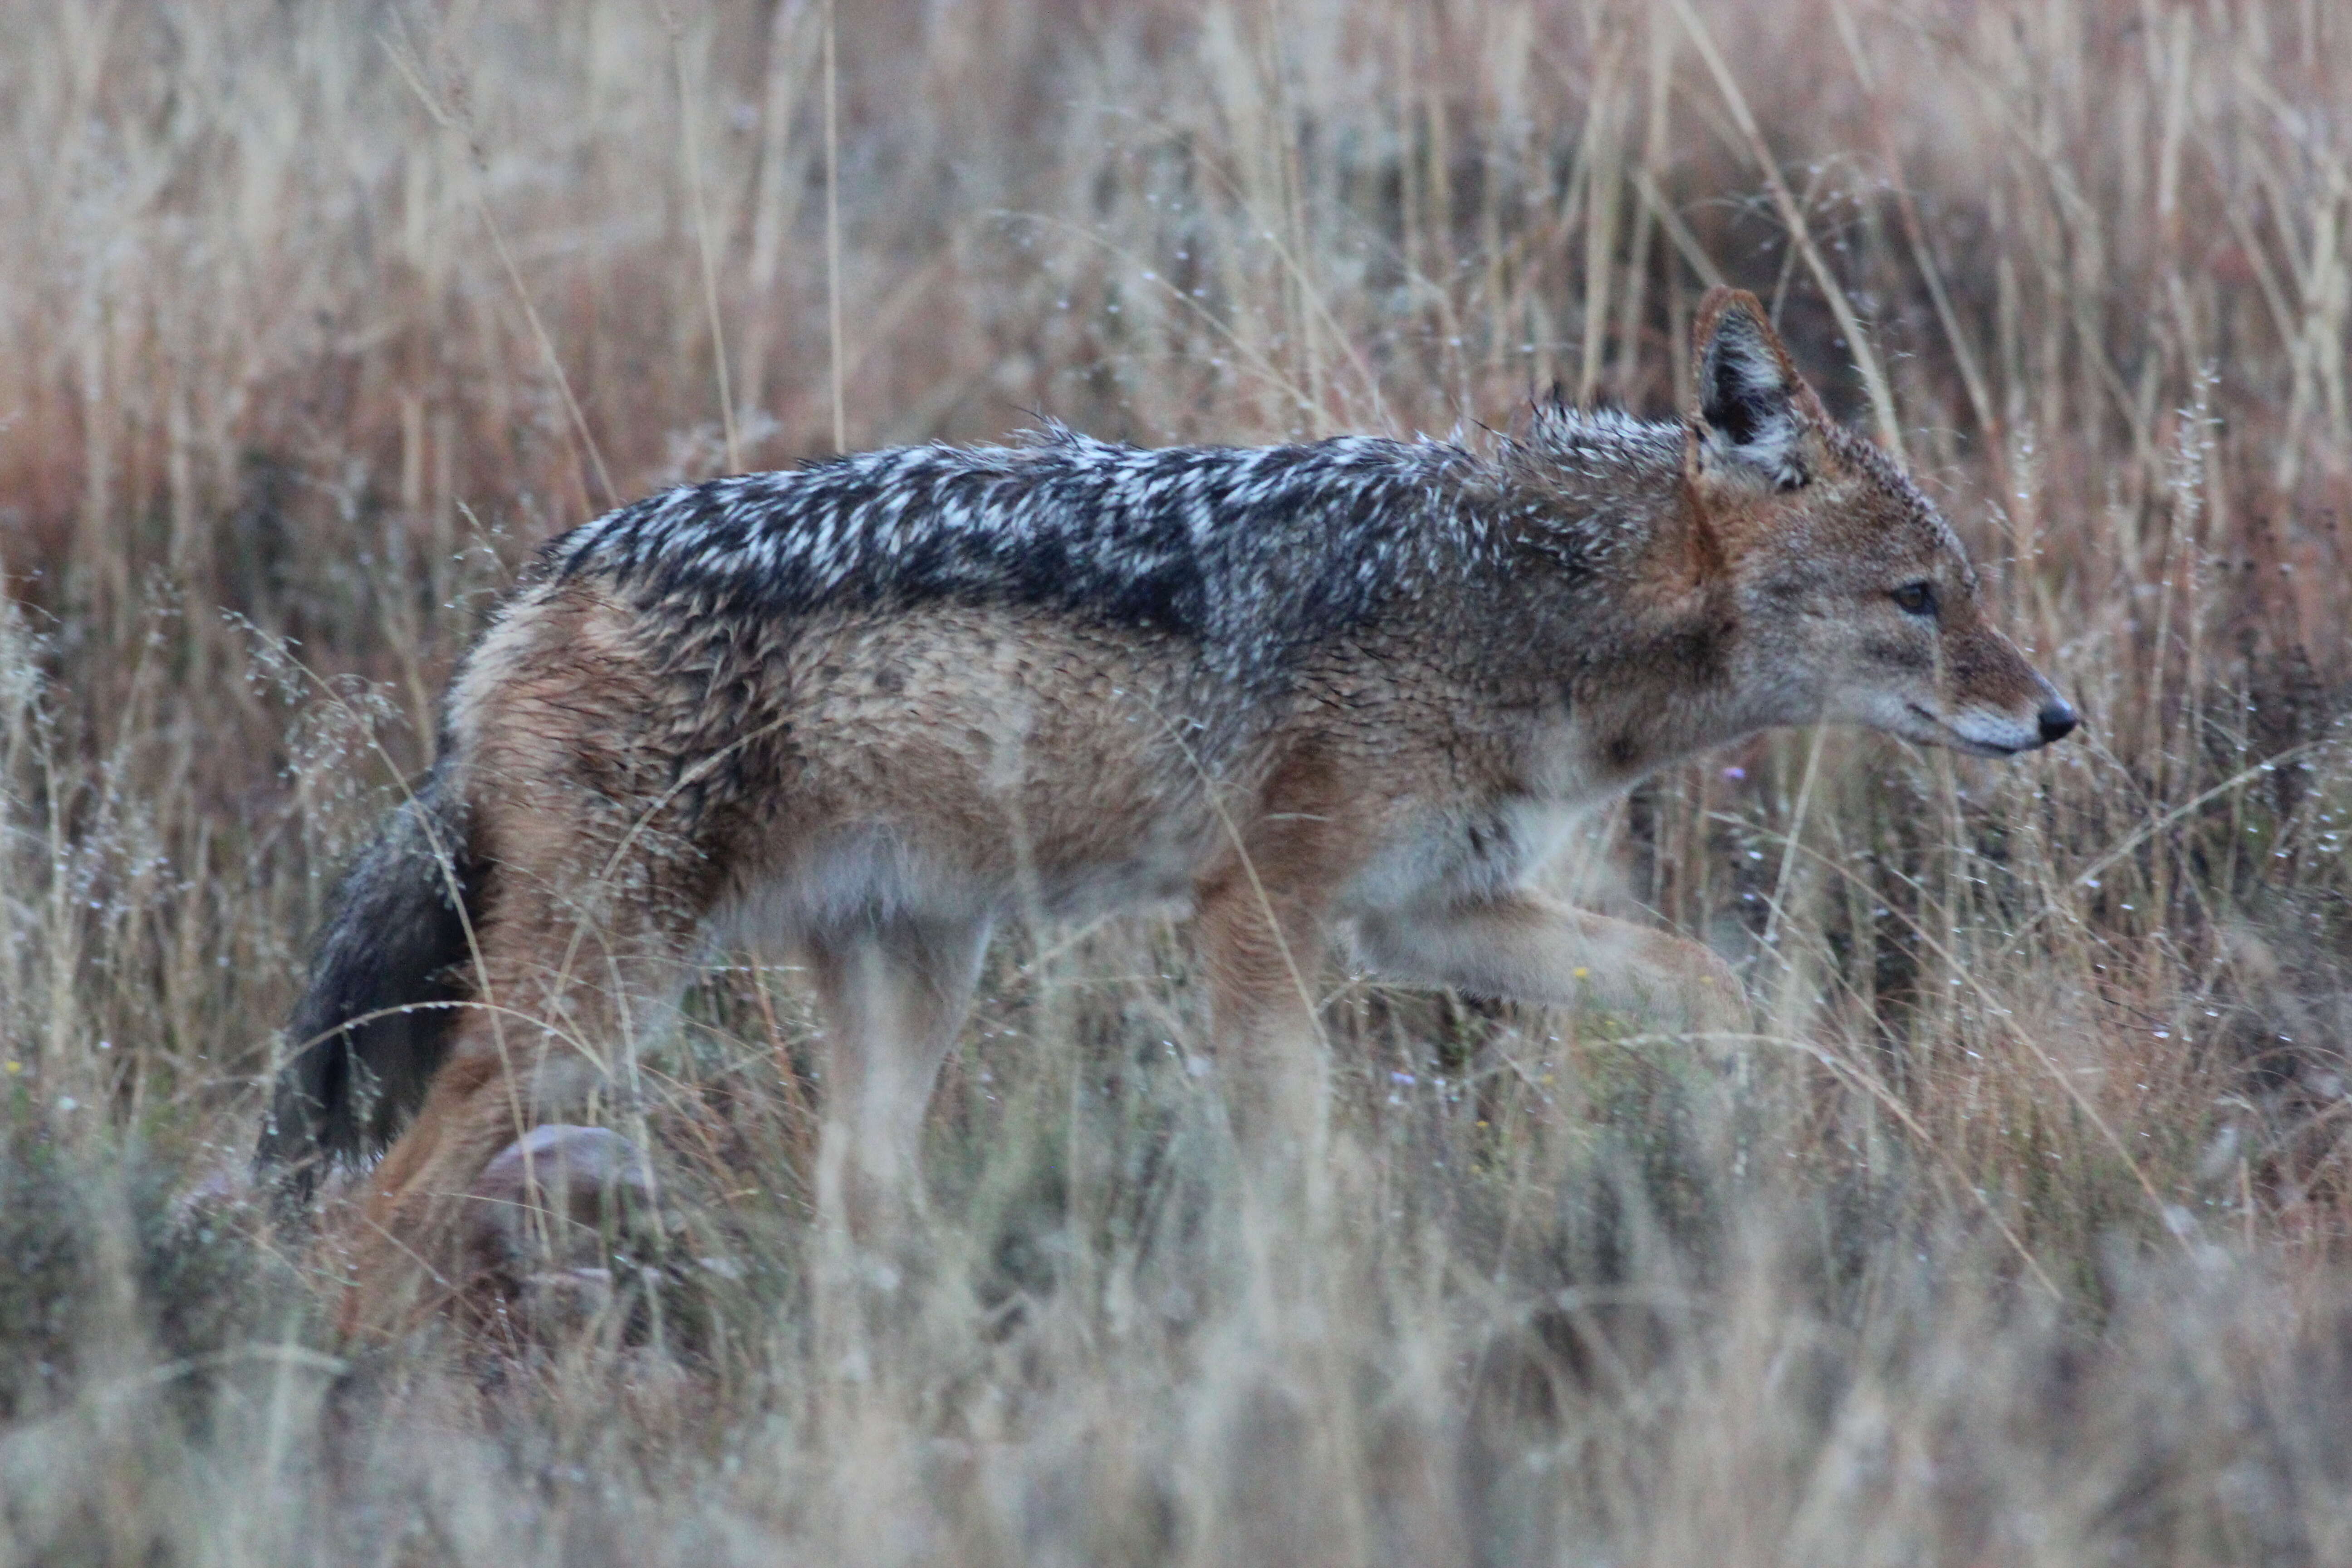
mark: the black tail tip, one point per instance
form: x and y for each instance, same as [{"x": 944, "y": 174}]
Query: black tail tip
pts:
[{"x": 286, "y": 1164}]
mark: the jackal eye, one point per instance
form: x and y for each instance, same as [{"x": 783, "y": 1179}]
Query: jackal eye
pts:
[{"x": 1914, "y": 598}]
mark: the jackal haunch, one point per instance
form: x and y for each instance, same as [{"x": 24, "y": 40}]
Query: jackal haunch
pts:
[{"x": 864, "y": 710}]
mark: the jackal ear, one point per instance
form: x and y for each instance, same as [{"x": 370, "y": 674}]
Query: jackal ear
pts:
[{"x": 1749, "y": 393}]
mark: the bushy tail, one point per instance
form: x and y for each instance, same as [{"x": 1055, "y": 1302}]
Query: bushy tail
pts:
[{"x": 374, "y": 1023}]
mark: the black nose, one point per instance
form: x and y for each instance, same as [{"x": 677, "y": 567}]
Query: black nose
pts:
[{"x": 2058, "y": 720}]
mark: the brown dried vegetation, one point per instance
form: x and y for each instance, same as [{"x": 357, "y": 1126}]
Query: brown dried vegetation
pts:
[{"x": 2018, "y": 1235}]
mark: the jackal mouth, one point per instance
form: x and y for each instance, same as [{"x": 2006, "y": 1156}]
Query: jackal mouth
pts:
[{"x": 1947, "y": 735}]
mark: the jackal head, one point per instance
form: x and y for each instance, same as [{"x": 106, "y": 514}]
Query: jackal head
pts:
[{"x": 1854, "y": 601}]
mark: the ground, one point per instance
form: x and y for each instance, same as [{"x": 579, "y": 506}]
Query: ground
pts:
[{"x": 2016, "y": 1231}]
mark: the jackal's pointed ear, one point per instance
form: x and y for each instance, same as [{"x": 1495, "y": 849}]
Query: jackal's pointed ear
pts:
[{"x": 1750, "y": 400}]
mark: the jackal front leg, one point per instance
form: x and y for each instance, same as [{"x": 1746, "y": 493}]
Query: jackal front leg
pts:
[
  {"x": 1526, "y": 947},
  {"x": 1263, "y": 951}
]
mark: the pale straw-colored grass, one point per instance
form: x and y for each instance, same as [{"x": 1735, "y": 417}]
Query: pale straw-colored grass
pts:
[{"x": 2017, "y": 1236}]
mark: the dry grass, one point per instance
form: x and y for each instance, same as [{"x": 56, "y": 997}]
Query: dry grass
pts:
[{"x": 2018, "y": 1236}]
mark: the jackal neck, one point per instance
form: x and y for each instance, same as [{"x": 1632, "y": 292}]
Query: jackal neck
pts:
[{"x": 1620, "y": 606}]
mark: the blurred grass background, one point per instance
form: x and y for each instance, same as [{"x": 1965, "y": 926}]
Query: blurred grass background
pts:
[{"x": 2017, "y": 1236}]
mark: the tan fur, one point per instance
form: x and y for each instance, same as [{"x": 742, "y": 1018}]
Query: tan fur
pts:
[{"x": 915, "y": 777}]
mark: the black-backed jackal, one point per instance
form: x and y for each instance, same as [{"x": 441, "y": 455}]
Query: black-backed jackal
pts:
[{"x": 864, "y": 710}]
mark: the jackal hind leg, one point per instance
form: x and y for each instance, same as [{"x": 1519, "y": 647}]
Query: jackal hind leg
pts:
[
  {"x": 894, "y": 993},
  {"x": 581, "y": 957},
  {"x": 1526, "y": 947}
]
